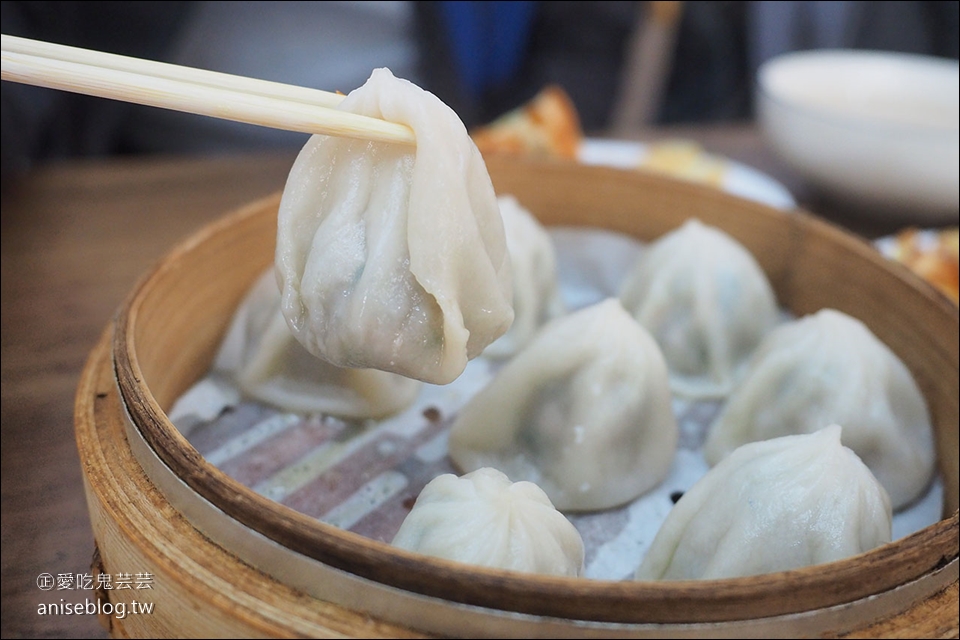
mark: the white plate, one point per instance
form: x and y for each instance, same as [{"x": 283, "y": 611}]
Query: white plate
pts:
[{"x": 738, "y": 179}]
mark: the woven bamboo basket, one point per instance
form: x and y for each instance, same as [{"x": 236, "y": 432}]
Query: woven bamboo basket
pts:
[{"x": 227, "y": 561}]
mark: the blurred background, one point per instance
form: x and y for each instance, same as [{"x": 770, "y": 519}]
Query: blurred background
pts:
[
  {"x": 625, "y": 64},
  {"x": 77, "y": 234}
]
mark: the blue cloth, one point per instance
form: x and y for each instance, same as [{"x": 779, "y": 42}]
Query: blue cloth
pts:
[{"x": 488, "y": 40}]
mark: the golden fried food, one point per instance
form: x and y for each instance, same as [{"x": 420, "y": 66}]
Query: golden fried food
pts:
[
  {"x": 546, "y": 126},
  {"x": 934, "y": 257}
]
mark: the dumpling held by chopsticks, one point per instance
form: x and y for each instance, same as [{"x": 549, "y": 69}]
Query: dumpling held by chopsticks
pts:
[{"x": 389, "y": 256}]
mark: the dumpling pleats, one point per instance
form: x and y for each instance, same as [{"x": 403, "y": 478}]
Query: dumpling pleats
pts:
[{"x": 394, "y": 257}]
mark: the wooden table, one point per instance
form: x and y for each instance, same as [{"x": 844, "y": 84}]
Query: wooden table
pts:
[{"x": 76, "y": 237}]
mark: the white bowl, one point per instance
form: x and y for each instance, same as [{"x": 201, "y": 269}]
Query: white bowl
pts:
[{"x": 878, "y": 129}]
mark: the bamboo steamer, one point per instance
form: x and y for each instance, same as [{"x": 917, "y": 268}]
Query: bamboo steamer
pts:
[{"x": 229, "y": 562}]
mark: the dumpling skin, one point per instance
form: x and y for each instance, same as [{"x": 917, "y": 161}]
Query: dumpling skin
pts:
[
  {"x": 265, "y": 361},
  {"x": 772, "y": 506},
  {"x": 706, "y": 302},
  {"x": 584, "y": 411},
  {"x": 536, "y": 293},
  {"x": 484, "y": 519},
  {"x": 393, "y": 257},
  {"x": 829, "y": 368}
]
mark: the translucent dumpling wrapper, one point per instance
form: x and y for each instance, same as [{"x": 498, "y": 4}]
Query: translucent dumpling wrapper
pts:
[
  {"x": 829, "y": 368},
  {"x": 390, "y": 256},
  {"x": 484, "y": 519},
  {"x": 706, "y": 302},
  {"x": 584, "y": 411},
  {"x": 536, "y": 293},
  {"x": 267, "y": 363},
  {"x": 770, "y": 506}
]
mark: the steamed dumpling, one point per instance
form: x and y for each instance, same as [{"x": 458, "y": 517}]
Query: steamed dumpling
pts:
[
  {"x": 829, "y": 368},
  {"x": 389, "y": 256},
  {"x": 772, "y": 506},
  {"x": 584, "y": 411},
  {"x": 261, "y": 355},
  {"x": 706, "y": 302},
  {"x": 536, "y": 295},
  {"x": 482, "y": 518}
]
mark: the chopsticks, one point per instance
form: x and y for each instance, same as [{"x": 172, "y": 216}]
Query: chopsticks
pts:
[{"x": 209, "y": 93}]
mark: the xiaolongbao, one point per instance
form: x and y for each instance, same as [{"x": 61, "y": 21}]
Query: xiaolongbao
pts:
[
  {"x": 393, "y": 257},
  {"x": 482, "y": 518},
  {"x": 771, "y": 506},
  {"x": 536, "y": 295},
  {"x": 584, "y": 411},
  {"x": 828, "y": 368},
  {"x": 706, "y": 302},
  {"x": 261, "y": 355}
]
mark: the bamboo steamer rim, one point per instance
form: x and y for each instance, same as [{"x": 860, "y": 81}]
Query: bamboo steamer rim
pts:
[{"x": 796, "y": 591}]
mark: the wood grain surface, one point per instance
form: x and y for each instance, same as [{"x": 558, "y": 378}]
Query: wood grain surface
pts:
[
  {"x": 170, "y": 327},
  {"x": 76, "y": 237}
]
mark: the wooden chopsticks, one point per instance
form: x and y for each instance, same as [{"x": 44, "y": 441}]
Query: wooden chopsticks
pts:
[{"x": 209, "y": 93}]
